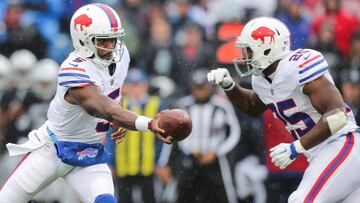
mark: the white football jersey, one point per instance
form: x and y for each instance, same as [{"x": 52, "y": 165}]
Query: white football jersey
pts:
[
  {"x": 284, "y": 96},
  {"x": 70, "y": 122}
]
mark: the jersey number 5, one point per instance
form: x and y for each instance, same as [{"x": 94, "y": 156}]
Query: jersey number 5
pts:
[{"x": 279, "y": 108}]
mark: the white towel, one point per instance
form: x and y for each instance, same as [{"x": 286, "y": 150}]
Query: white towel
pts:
[{"x": 36, "y": 140}]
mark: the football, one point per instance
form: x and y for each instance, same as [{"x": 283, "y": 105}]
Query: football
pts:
[{"x": 176, "y": 123}]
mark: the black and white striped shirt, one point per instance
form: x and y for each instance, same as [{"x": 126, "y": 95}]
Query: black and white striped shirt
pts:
[{"x": 215, "y": 126}]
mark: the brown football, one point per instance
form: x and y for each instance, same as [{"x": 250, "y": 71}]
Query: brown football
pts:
[{"x": 176, "y": 123}]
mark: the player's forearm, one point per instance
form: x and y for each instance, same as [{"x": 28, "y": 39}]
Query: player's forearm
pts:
[
  {"x": 329, "y": 124},
  {"x": 316, "y": 135},
  {"x": 105, "y": 108},
  {"x": 122, "y": 117},
  {"x": 246, "y": 100}
]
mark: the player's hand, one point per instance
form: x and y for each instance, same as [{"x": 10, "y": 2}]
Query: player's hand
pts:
[
  {"x": 221, "y": 76},
  {"x": 282, "y": 155},
  {"x": 118, "y": 134},
  {"x": 207, "y": 158},
  {"x": 159, "y": 132}
]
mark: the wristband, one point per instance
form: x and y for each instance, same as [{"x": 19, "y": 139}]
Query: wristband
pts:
[
  {"x": 142, "y": 123},
  {"x": 229, "y": 87},
  {"x": 296, "y": 149}
]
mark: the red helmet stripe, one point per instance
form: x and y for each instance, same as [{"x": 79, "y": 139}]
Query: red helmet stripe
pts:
[{"x": 110, "y": 14}]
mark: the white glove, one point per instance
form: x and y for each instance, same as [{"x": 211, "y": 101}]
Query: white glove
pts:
[
  {"x": 285, "y": 153},
  {"x": 221, "y": 76}
]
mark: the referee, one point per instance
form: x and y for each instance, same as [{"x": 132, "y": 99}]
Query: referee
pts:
[{"x": 205, "y": 174}]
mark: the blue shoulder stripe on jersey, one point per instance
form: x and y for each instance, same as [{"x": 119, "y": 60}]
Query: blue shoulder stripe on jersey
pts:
[
  {"x": 311, "y": 66},
  {"x": 74, "y": 74},
  {"x": 75, "y": 82},
  {"x": 314, "y": 74}
]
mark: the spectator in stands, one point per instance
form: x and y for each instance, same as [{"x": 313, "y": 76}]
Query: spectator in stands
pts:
[
  {"x": 157, "y": 54},
  {"x": 20, "y": 35},
  {"x": 351, "y": 7},
  {"x": 194, "y": 53},
  {"x": 325, "y": 44},
  {"x": 202, "y": 14},
  {"x": 134, "y": 11},
  {"x": 350, "y": 89},
  {"x": 354, "y": 57},
  {"x": 3, "y": 8},
  {"x": 344, "y": 24},
  {"x": 178, "y": 14},
  {"x": 297, "y": 23},
  {"x": 45, "y": 16}
]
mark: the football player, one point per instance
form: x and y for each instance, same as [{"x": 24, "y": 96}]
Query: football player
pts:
[
  {"x": 297, "y": 87},
  {"x": 86, "y": 104}
]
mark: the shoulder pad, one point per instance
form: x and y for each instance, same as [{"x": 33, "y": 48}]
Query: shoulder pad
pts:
[{"x": 311, "y": 64}]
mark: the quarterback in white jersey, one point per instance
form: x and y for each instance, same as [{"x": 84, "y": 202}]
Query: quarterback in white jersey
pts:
[
  {"x": 87, "y": 102},
  {"x": 297, "y": 87}
]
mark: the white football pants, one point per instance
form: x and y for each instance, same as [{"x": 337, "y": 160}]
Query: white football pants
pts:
[
  {"x": 41, "y": 167},
  {"x": 333, "y": 173}
]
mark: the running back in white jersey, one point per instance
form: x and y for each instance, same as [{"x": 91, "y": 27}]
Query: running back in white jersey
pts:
[
  {"x": 71, "y": 122},
  {"x": 284, "y": 95}
]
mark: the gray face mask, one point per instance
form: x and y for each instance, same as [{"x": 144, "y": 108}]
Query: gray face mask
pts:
[
  {"x": 116, "y": 53},
  {"x": 246, "y": 65}
]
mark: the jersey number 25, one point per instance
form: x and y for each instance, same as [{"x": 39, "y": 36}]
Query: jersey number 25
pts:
[{"x": 279, "y": 108}]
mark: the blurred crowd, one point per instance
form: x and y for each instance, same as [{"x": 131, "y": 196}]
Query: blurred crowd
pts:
[{"x": 172, "y": 44}]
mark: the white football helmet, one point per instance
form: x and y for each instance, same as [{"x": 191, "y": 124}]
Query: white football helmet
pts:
[
  {"x": 44, "y": 78},
  {"x": 92, "y": 22},
  {"x": 263, "y": 41},
  {"x": 22, "y": 62}
]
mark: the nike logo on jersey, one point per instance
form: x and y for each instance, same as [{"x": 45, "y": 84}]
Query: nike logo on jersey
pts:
[
  {"x": 306, "y": 57},
  {"x": 75, "y": 65}
]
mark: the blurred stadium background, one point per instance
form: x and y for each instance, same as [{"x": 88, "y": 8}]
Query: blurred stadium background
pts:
[{"x": 168, "y": 40}]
